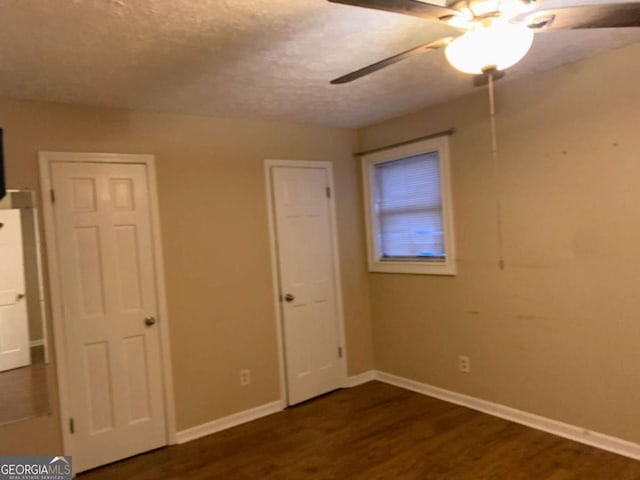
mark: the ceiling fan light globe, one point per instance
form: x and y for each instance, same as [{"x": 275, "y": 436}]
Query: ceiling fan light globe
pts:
[{"x": 499, "y": 45}]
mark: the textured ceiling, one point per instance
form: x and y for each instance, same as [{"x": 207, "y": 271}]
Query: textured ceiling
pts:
[{"x": 270, "y": 59}]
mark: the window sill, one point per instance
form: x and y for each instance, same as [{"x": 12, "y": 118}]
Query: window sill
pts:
[{"x": 415, "y": 268}]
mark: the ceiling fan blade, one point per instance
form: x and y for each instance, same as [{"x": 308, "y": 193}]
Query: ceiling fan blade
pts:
[
  {"x": 406, "y": 7},
  {"x": 391, "y": 60},
  {"x": 610, "y": 15}
]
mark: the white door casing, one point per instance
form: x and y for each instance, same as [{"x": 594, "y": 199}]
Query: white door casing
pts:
[
  {"x": 14, "y": 325},
  {"x": 106, "y": 281},
  {"x": 308, "y": 279}
]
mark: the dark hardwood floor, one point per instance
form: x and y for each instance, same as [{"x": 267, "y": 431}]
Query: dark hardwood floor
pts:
[
  {"x": 23, "y": 393},
  {"x": 376, "y": 431}
]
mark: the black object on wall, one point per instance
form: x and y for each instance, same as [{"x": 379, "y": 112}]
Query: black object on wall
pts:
[{"x": 3, "y": 187}]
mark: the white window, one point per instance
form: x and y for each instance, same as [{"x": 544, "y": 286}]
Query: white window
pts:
[{"x": 409, "y": 211}]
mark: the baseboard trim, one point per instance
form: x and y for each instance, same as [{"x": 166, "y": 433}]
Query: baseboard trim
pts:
[
  {"x": 360, "y": 378},
  {"x": 561, "y": 429},
  {"x": 555, "y": 427},
  {"x": 229, "y": 421}
]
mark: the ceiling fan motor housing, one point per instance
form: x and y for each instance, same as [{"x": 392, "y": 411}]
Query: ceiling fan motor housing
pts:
[
  {"x": 475, "y": 14},
  {"x": 458, "y": 4}
]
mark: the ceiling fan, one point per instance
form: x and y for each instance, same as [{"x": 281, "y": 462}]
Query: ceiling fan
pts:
[{"x": 493, "y": 34}]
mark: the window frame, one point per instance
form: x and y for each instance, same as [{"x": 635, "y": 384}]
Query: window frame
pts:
[{"x": 423, "y": 267}]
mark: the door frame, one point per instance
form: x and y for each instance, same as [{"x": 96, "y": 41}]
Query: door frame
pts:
[
  {"x": 275, "y": 268},
  {"x": 46, "y": 160}
]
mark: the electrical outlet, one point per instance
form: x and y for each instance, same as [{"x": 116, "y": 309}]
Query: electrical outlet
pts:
[
  {"x": 464, "y": 364},
  {"x": 245, "y": 377}
]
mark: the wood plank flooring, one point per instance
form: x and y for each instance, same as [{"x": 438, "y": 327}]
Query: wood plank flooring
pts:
[
  {"x": 23, "y": 393},
  {"x": 376, "y": 431}
]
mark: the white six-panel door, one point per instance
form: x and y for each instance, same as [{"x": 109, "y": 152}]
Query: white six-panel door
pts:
[
  {"x": 105, "y": 255},
  {"x": 14, "y": 329},
  {"x": 307, "y": 281}
]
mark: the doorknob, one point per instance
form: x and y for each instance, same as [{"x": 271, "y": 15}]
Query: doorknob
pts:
[
  {"x": 149, "y": 321},
  {"x": 289, "y": 298},
  {"x": 20, "y": 296}
]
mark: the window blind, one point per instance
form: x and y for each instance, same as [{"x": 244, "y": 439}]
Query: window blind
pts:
[{"x": 408, "y": 207}]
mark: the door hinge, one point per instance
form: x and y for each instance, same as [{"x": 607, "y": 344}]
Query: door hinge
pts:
[
  {"x": 72, "y": 426},
  {"x": 328, "y": 190},
  {"x": 53, "y": 195},
  {"x": 340, "y": 352}
]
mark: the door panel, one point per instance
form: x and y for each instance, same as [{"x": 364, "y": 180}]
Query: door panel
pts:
[
  {"x": 305, "y": 258},
  {"x": 107, "y": 274},
  {"x": 14, "y": 326}
]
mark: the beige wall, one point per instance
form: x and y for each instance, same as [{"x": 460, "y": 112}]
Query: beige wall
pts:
[
  {"x": 215, "y": 239},
  {"x": 557, "y": 333}
]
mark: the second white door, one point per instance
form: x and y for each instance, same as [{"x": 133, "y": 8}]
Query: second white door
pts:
[
  {"x": 307, "y": 281},
  {"x": 14, "y": 329},
  {"x": 107, "y": 275}
]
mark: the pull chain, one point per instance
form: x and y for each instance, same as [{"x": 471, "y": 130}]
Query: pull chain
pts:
[{"x": 495, "y": 172}]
